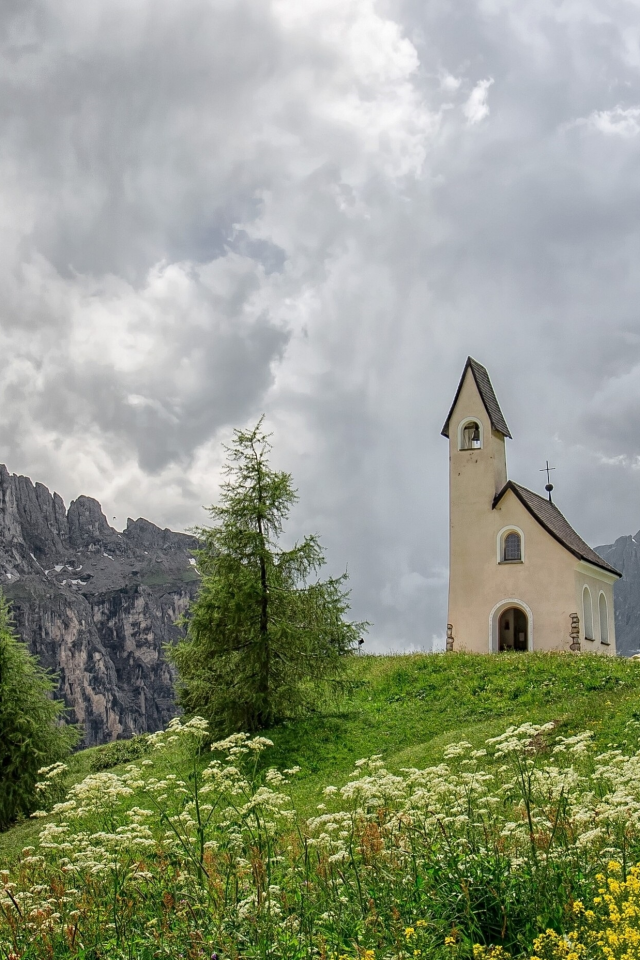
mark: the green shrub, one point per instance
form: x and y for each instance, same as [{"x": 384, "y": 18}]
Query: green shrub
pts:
[{"x": 119, "y": 751}]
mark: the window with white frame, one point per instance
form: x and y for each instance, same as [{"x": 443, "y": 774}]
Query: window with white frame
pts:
[
  {"x": 510, "y": 546},
  {"x": 604, "y": 618},
  {"x": 587, "y": 610}
]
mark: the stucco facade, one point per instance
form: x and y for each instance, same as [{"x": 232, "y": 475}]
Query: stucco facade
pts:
[{"x": 532, "y": 602}]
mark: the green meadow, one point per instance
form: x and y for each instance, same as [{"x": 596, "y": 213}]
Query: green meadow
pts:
[{"x": 454, "y": 830}]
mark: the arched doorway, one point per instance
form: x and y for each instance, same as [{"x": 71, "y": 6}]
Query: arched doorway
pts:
[{"x": 513, "y": 629}]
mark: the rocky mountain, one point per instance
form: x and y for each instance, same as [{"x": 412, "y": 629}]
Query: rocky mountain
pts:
[
  {"x": 624, "y": 555},
  {"x": 95, "y": 605}
]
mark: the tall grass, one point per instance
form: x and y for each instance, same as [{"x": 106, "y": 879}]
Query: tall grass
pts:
[{"x": 490, "y": 846}]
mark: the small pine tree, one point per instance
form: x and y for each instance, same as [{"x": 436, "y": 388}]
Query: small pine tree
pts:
[
  {"x": 32, "y": 734},
  {"x": 264, "y": 641}
]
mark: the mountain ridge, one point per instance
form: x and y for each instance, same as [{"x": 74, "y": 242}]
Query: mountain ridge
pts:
[
  {"x": 94, "y": 605},
  {"x": 624, "y": 555}
]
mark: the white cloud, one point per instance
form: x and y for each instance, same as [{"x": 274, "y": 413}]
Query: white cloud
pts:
[
  {"x": 450, "y": 83},
  {"x": 477, "y": 108},
  {"x": 321, "y": 106},
  {"x": 620, "y": 121}
]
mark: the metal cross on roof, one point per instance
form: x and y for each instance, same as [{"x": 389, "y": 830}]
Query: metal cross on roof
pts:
[{"x": 549, "y": 485}]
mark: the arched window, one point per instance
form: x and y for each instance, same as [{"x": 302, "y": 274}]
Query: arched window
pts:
[
  {"x": 587, "y": 608},
  {"x": 512, "y": 546},
  {"x": 470, "y": 435},
  {"x": 604, "y": 619}
]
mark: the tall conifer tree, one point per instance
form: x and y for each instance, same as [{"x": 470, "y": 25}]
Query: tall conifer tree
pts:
[{"x": 265, "y": 639}]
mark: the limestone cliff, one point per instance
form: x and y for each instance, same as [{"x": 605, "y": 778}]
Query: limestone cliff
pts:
[{"x": 95, "y": 605}]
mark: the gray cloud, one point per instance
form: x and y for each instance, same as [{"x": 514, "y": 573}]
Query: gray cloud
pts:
[{"x": 216, "y": 208}]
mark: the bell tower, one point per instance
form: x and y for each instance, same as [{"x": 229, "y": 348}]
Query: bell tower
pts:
[{"x": 476, "y": 430}]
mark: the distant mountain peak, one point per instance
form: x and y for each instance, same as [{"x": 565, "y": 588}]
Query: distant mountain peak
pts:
[
  {"x": 624, "y": 554},
  {"x": 95, "y": 605}
]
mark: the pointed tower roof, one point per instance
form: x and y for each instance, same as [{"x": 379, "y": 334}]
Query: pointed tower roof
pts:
[{"x": 485, "y": 389}]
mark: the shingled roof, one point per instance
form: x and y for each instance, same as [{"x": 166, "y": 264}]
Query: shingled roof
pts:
[
  {"x": 485, "y": 389},
  {"x": 549, "y": 517}
]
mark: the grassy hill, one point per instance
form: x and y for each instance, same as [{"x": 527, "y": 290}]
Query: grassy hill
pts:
[
  {"x": 490, "y": 847},
  {"x": 408, "y": 708}
]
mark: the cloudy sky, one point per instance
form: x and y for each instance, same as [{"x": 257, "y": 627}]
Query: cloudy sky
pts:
[{"x": 317, "y": 209}]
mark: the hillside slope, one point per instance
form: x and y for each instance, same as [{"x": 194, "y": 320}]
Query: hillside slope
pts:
[{"x": 408, "y": 708}]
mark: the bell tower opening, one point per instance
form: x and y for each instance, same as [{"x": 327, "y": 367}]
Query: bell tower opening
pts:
[
  {"x": 513, "y": 630},
  {"x": 471, "y": 438}
]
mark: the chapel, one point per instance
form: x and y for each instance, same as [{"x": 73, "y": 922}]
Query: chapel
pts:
[{"x": 520, "y": 577}]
